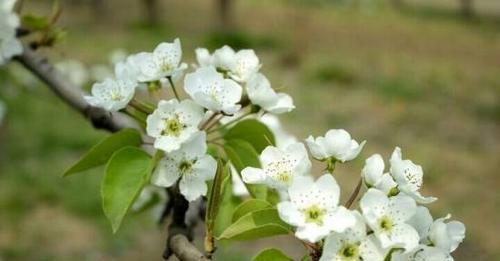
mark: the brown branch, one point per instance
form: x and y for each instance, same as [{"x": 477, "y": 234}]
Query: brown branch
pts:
[
  {"x": 184, "y": 250},
  {"x": 354, "y": 194},
  {"x": 69, "y": 93}
]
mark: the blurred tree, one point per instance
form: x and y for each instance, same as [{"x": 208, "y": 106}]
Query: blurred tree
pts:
[
  {"x": 467, "y": 8},
  {"x": 224, "y": 14},
  {"x": 151, "y": 12}
]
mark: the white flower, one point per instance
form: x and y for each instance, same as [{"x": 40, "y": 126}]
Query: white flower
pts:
[
  {"x": 336, "y": 144},
  {"x": 353, "y": 244},
  {"x": 313, "y": 208},
  {"x": 374, "y": 176},
  {"x": 203, "y": 57},
  {"x": 260, "y": 93},
  {"x": 224, "y": 58},
  {"x": 387, "y": 218},
  {"x": 239, "y": 66},
  {"x": 173, "y": 123},
  {"x": 422, "y": 253},
  {"x": 446, "y": 236},
  {"x": 10, "y": 46},
  {"x": 208, "y": 88},
  {"x": 111, "y": 94},
  {"x": 164, "y": 61},
  {"x": 191, "y": 164},
  {"x": 246, "y": 63},
  {"x": 279, "y": 166},
  {"x": 409, "y": 177}
]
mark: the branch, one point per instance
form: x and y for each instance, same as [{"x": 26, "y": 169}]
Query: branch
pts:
[
  {"x": 69, "y": 93},
  {"x": 184, "y": 250}
]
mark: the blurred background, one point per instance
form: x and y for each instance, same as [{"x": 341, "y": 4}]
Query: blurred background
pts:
[{"x": 423, "y": 75}]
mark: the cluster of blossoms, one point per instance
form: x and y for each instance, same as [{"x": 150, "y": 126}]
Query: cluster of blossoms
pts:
[
  {"x": 179, "y": 127},
  {"x": 9, "y": 22},
  {"x": 389, "y": 223}
]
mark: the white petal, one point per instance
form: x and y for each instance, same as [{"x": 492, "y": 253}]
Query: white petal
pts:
[
  {"x": 253, "y": 175},
  {"x": 312, "y": 232},
  {"x": 401, "y": 208},
  {"x": 402, "y": 235},
  {"x": 447, "y": 236},
  {"x": 317, "y": 147},
  {"x": 371, "y": 250},
  {"x": 192, "y": 188},
  {"x": 373, "y": 170},
  {"x": 421, "y": 221},
  {"x": 374, "y": 202},
  {"x": 386, "y": 183},
  {"x": 206, "y": 167},
  {"x": 340, "y": 219},
  {"x": 203, "y": 57},
  {"x": 338, "y": 142},
  {"x": 289, "y": 213},
  {"x": 327, "y": 186},
  {"x": 166, "y": 173},
  {"x": 333, "y": 244}
]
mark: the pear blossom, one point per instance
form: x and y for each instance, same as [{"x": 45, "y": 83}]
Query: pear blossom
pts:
[
  {"x": 239, "y": 66},
  {"x": 260, "y": 93},
  {"x": 374, "y": 176},
  {"x": 164, "y": 61},
  {"x": 313, "y": 208},
  {"x": 336, "y": 145},
  {"x": 353, "y": 244},
  {"x": 422, "y": 253},
  {"x": 421, "y": 221},
  {"x": 279, "y": 166},
  {"x": 408, "y": 176},
  {"x": 446, "y": 236},
  {"x": 191, "y": 165},
  {"x": 173, "y": 123},
  {"x": 112, "y": 94},
  {"x": 10, "y": 46},
  {"x": 387, "y": 218},
  {"x": 208, "y": 88}
]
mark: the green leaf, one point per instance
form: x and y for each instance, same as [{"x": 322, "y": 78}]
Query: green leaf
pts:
[
  {"x": 243, "y": 155},
  {"x": 271, "y": 254},
  {"x": 226, "y": 210},
  {"x": 215, "y": 196},
  {"x": 250, "y": 206},
  {"x": 127, "y": 172},
  {"x": 252, "y": 131},
  {"x": 102, "y": 151},
  {"x": 35, "y": 22},
  {"x": 256, "y": 224}
]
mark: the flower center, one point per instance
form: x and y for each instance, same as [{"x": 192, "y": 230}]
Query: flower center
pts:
[
  {"x": 116, "y": 96},
  {"x": 173, "y": 127},
  {"x": 314, "y": 214},
  {"x": 385, "y": 223},
  {"x": 350, "y": 251},
  {"x": 185, "y": 166},
  {"x": 284, "y": 176}
]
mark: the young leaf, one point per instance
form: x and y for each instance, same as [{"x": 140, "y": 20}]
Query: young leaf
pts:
[
  {"x": 127, "y": 172},
  {"x": 214, "y": 201},
  {"x": 34, "y": 22},
  {"x": 252, "y": 131},
  {"x": 256, "y": 224},
  {"x": 102, "y": 151},
  {"x": 250, "y": 206},
  {"x": 242, "y": 155},
  {"x": 273, "y": 254}
]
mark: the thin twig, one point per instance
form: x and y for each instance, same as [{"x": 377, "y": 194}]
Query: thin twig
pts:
[
  {"x": 173, "y": 87},
  {"x": 354, "y": 194}
]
